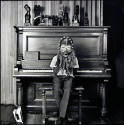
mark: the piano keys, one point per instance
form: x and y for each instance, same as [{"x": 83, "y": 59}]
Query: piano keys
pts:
[{"x": 48, "y": 73}]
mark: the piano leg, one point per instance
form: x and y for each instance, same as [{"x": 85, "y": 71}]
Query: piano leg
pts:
[
  {"x": 18, "y": 111},
  {"x": 103, "y": 98},
  {"x": 19, "y": 93},
  {"x": 80, "y": 109}
]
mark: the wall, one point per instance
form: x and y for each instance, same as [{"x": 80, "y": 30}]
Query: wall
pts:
[
  {"x": 8, "y": 50},
  {"x": 12, "y": 13}
]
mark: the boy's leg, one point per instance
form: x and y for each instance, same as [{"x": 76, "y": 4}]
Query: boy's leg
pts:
[
  {"x": 65, "y": 98},
  {"x": 57, "y": 90}
]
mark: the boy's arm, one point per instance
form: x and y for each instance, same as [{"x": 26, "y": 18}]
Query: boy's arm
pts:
[
  {"x": 76, "y": 67},
  {"x": 53, "y": 62},
  {"x": 53, "y": 65}
]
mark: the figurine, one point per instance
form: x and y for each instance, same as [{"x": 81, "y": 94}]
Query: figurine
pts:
[
  {"x": 65, "y": 17},
  {"x": 27, "y": 15},
  {"x": 38, "y": 14},
  {"x": 86, "y": 20},
  {"x": 75, "y": 20},
  {"x": 60, "y": 16},
  {"x": 55, "y": 20}
]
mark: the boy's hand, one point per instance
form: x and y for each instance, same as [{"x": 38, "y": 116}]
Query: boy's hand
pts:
[
  {"x": 55, "y": 70},
  {"x": 74, "y": 71}
]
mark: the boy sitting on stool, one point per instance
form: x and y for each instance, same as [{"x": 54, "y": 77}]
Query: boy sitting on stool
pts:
[{"x": 63, "y": 64}]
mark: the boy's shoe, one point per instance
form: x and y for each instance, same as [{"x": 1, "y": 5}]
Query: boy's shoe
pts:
[{"x": 63, "y": 121}]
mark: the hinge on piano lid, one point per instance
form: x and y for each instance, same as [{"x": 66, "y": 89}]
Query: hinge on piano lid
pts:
[
  {"x": 105, "y": 61},
  {"x": 107, "y": 70},
  {"x": 16, "y": 69},
  {"x": 18, "y": 64},
  {"x": 106, "y": 66}
]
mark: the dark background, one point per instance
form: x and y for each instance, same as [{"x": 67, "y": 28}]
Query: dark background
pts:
[{"x": 114, "y": 16}]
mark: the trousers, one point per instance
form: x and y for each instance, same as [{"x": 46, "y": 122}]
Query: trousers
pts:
[{"x": 62, "y": 89}]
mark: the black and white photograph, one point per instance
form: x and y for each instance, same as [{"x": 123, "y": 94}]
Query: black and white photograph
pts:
[{"x": 62, "y": 62}]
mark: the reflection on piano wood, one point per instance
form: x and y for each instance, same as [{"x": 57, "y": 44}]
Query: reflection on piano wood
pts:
[{"x": 37, "y": 45}]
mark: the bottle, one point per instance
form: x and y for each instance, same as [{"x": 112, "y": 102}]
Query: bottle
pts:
[
  {"x": 86, "y": 20},
  {"x": 65, "y": 17},
  {"x": 60, "y": 16}
]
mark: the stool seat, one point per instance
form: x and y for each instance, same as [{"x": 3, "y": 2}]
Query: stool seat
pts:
[
  {"x": 45, "y": 89},
  {"x": 79, "y": 88},
  {"x": 53, "y": 118}
]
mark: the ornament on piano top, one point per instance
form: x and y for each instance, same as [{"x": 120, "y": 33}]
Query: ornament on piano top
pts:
[
  {"x": 55, "y": 20},
  {"x": 86, "y": 20},
  {"x": 60, "y": 16},
  {"x": 27, "y": 15},
  {"x": 65, "y": 17},
  {"x": 75, "y": 19},
  {"x": 38, "y": 13}
]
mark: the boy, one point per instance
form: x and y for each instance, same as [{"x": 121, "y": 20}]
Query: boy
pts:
[{"x": 63, "y": 64}]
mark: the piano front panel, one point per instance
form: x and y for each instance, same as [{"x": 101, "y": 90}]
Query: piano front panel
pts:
[
  {"x": 85, "y": 46},
  {"x": 88, "y": 43},
  {"x": 36, "y": 64}
]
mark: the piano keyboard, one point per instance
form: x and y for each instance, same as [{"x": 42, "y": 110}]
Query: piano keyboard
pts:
[
  {"x": 30, "y": 70},
  {"x": 78, "y": 71},
  {"x": 89, "y": 71}
]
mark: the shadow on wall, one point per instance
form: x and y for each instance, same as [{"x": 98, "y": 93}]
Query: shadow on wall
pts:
[{"x": 119, "y": 67}]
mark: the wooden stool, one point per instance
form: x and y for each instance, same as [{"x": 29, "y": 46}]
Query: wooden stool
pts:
[
  {"x": 43, "y": 94},
  {"x": 80, "y": 91}
]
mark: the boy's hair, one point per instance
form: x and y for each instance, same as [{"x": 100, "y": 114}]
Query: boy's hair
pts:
[
  {"x": 70, "y": 61},
  {"x": 66, "y": 40}
]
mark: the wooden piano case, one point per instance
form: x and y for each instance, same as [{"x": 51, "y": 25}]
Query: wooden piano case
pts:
[{"x": 41, "y": 44}]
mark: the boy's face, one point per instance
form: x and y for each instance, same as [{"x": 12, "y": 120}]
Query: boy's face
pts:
[{"x": 65, "y": 49}]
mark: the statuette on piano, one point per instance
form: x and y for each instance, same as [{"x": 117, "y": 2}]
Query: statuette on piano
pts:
[
  {"x": 27, "y": 15},
  {"x": 75, "y": 20}
]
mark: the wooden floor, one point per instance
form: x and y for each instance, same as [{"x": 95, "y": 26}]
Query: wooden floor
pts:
[
  {"x": 116, "y": 116},
  {"x": 89, "y": 117}
]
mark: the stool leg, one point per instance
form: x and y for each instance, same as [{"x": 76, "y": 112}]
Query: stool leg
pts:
[
  {"x": 43, "y": 107},
  {"x": 80, "y": 109},
  {"x": 103, "y": 98},
  {"x": 55, "y": 122}
]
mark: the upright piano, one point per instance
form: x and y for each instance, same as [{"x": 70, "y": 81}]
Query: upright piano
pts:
[{"x": 36, "y": 45}]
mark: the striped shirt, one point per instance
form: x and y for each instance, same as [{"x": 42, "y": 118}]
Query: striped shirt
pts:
[{"x": 62, "y": 72}]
